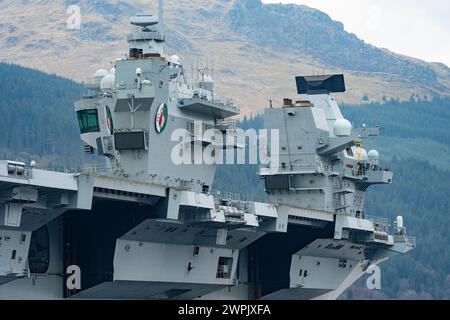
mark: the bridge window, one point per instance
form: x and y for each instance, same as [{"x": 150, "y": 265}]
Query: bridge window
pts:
[{"x": 88, "y": 121}]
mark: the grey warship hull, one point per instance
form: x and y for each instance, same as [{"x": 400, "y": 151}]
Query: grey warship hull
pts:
[{"x": 263, "y": 269}]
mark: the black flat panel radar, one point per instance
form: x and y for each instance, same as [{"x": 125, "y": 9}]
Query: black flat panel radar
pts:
[
  {"x": 320, "y": 84},
  {"x": 129, "y": 140}
]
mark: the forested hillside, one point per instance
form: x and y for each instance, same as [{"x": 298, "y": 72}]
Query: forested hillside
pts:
[
  {"x": 37, "y": 118},
  {"x": 415, "y": 143}
]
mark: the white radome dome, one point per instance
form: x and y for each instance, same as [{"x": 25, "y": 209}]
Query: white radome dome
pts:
[
  {"x": 108, "y": 82},
  {"x": 342, "y": 128},
  {"x": 100, "y": 74},
  {"x": 373, "y": 155},
  {"x": 175, "y": 59}
]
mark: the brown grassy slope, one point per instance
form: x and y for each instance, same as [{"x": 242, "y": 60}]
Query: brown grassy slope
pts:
[{"x": 256, "y": 49}]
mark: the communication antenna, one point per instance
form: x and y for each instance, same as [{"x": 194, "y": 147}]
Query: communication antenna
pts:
[
  {"x": 212, "y": 77},
  {"x": 192, "y": 74},
  {"x": 161, "y": 14},
  {"x": 196, "y": 72}
]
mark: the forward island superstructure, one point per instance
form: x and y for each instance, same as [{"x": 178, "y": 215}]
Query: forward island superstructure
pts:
[{"x": 140, "y": 226}]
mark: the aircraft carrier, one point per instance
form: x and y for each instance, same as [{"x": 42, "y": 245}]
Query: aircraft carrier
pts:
[{"x": 140, "y": 226}]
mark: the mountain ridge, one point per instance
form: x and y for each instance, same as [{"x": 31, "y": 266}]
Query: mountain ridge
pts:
[{"x": 256, "y": 48}]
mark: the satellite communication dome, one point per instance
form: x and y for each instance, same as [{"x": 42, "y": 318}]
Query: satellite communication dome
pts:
[
  {"x": 373, "y": 155},
  {"x": 100, "y": 74},
  {"x": 175, "y": 59},
  {"x": 399, "y": 222},
  {"x": 107, "y": 82},
  {"x": 342, "y": 128}
]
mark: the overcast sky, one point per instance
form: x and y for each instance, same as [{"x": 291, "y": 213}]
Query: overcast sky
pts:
[{"x": 418, "y": 28}]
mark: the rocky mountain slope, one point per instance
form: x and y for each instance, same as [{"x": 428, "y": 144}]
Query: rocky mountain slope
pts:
[{"x": 256, "y": 49}]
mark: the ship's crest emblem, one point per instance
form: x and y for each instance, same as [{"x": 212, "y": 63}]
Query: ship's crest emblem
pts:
[{"x": 162, "y": 115}]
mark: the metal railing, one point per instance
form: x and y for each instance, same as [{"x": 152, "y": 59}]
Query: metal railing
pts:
[
  {"x": 228, "y": 104},
  {"x": 146, "y": 35},
  {"x": 231, "y": 196},
  {"x": 97, "y": 168},
  {"x": 331, "y": 168},
  {"x": 63, "y": 170},
  {"x": 380, "y": 223},
  {"x": 222, "y": 104},
  {"x": 307, "y": 167},
  {"x": 226, "y": 124},
  {"x": 404, "y": 239}
]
